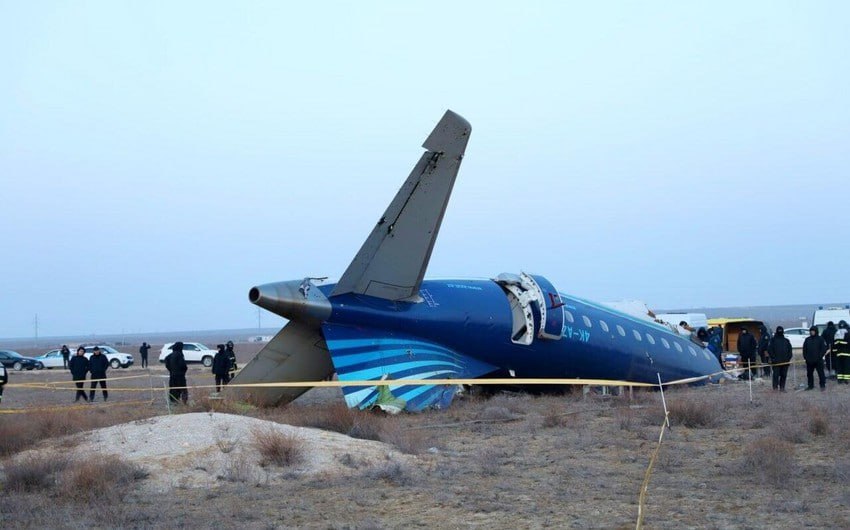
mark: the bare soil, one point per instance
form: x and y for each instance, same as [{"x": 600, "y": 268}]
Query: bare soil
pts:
[{"x": 509, "y": 461}]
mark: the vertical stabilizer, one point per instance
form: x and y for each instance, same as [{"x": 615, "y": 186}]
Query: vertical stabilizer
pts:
[{"x": 392, "y": 261}]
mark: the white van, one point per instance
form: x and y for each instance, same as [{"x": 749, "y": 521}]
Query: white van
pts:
[
  {"x": 830, "y": 314},
  {"x": 694, "y": 320}
]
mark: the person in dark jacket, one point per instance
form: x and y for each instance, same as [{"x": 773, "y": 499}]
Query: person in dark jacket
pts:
[
  {"x": 814, "y": 349},
  {"x": 780, "y": 353},
  {"x": 764, "y": 342},
  {"x": 143, "y": 351},
  {"x": 79, "y": 367},
  {"x": 747, "y": 347},
  {"x": 829, "y": 338},
  {"x": 232, "y": 356},
  {"x": 4, "y": 378},
  {"x": 841, "y": 348},
  {"x": 221, "y": 368},
  {"x": 176, "y": 365},
  {"x": 715, "y": 345},
  {"x": 98, "y": 365},
  {"x": 66, "y": 354}
]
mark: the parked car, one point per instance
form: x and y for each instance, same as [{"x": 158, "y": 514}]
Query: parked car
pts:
[
  {"x": 16, "y": 361},
  {"x": 796, "y": 336},
  {"x": 51, "y": 359},
  {"x": 116, "y": 358},
  {"x": 194, "y": 352}
]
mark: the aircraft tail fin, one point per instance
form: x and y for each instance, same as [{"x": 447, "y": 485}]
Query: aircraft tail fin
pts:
[{"x": 393, "y": 259}]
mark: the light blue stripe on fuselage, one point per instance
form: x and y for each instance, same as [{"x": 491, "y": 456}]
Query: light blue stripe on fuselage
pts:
[
  {"x": 363, "y": 393},
  {"x": 378, "y": 371},
  {"x": 342, "y": 360}
]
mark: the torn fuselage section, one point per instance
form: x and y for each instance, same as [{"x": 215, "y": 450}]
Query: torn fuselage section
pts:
[{"x": 536, "y": 307}]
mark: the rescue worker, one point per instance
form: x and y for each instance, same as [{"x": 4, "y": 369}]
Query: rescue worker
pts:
[
  {"x": 747, "y": 347},
  {"x": 829, "y": 338},
  {"x": 175, "y": 363},
  {"x": 780, "y": 353},
  {"x": 715, "y": 345},
  {"x": 79, "y": 367},
  {"x": 221, "y": 367},
  {"x": 143, "y": 351},
  {"x": 98, "y": 364},
  {"x": 841, "y": 347},
  {"x": 4, "y": 378},
  {"x": 764, "y": 342},
  {"x": 814, "y": 349},
  {"x": 66, "y": 354},
  {"x": 232, "y": 356}
]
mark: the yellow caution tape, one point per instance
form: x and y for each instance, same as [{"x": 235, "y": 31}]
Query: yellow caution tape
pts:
[{"x": 645, "y": 485}]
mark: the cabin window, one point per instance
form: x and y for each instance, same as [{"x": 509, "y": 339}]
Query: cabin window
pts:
[
  {"x": 650, "y": 338},
  {"x": 586, "y": 321},
  {"x": 636, "y": 333},
  {"x": 604, "y": 326},
  {"x": 678, "y": 346},
  {"x": 692, "y": 350},
  {"x": 621, "y": 331},
  {"x": 665, "y": 343},
  {"x": 569, "y": 316}
]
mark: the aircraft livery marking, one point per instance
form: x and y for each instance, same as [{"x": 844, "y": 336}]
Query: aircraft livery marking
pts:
[
  {"x": 429, "y": 299},
  {"x": 461, "y": 286},
  {"x": 581, "y": 335}
]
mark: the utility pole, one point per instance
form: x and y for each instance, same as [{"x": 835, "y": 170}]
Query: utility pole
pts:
[{"x": 259, "y": 319}]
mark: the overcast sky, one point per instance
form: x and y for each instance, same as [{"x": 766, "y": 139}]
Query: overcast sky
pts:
[{"x": 157, "y": 159}]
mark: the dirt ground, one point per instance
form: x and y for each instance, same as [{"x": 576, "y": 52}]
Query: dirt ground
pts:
[{"x": 508, "y": 461}]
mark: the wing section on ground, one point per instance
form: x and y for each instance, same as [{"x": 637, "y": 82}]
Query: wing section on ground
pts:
[
  {"x": 297, "y": 353},
  {"x": 366, "y": 354},
  {"x": 393, "y": 259}
]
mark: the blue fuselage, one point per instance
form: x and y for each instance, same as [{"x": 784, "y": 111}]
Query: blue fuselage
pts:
[{"x": 473, "y": 318}]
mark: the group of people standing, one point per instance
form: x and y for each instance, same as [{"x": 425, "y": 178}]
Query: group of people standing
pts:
[
  {"x": 223, "y": 367},
  {"x": 96, "y": 365},
  {"x": 830, "y": 351},
  {"x": 775, "y": 353},
  {"x": 224, "y": 364}
]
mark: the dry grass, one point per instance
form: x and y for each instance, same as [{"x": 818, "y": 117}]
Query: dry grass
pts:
[
  {"x": 277, "y": 448},
  {"x": 34, "y": 472},
  {"x": 555, "y": 420},
  {"x": 818, "y": 423},
  {"x": 22, "y": 431},
  {"x": 410, "y": 441},
  {"x": 336, "y": 417},
  {"x": 93, "y": 479},
  {"x": 238, "y": 468},
  {"x": 101, "y": 478},
  {"x": 794, "y": 432},
  {"x": 392, "y": 472},
  {"x": 693, "y": 411},
  {"x": 770, "y": 460},
  {"x": 507, "y": 474},
  {"x": 364, "y": 425}
]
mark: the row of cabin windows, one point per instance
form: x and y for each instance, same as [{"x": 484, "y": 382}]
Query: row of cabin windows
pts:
[{"x": 622, "y": 332}]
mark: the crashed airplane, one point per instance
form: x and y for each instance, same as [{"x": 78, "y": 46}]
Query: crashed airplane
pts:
[{"x": 381, "y": 320}]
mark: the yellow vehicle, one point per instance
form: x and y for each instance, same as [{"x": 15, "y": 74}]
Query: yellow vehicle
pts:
[{"x": 732, "y": 329}]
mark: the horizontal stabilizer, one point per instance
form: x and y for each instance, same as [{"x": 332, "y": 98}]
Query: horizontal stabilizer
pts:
[
  {"x": 392, "y": 261},
  {"x": 365, "y": 354},
  {"x": 296, "y": 353}
]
